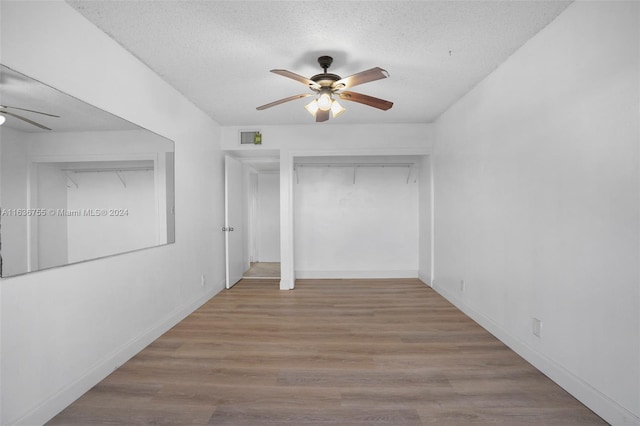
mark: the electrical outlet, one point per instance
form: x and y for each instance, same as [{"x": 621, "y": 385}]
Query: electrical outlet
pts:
[
  {"x": 536, "y": 327},
  {"x": 462, "y": 286},
  {"x": 202, "y": 280}
]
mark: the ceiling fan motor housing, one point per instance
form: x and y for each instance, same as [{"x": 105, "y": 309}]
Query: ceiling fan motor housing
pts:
[
  {"x": 325, "y": 79},
  {"x": 325, "y": 62}
]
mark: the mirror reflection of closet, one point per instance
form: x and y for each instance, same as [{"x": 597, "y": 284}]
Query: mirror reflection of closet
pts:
[{"x": 76, "y": 183}]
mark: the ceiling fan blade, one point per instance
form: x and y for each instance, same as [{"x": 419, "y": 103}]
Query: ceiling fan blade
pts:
[
  {"x": 19, "y": 117},
  {"x": 359, "y": 78},
  {"x": 29, "y": 110},
  {"x": 366, "y": 99},
  {"x": 322, "y": 115},
  {"x": 281, "y": 101},
  {"x": 297, "y": 77}
]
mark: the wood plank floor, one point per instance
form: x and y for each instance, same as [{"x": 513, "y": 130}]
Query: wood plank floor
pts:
[
  {"x": 263, "y": 270},
  {"x": 331, "y": 352}
]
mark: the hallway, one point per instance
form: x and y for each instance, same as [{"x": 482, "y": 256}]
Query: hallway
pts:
[{"x": 263, "y": 270}]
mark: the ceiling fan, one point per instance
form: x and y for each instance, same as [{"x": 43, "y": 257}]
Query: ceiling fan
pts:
[
  {"x": 3, "y": 110},
  {"x": 325, "y": 85}
]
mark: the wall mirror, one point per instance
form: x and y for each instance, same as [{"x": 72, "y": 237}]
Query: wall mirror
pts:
[{"x": 76, "y": 183}]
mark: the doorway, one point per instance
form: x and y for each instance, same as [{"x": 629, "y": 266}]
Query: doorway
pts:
[
  {"x": 256, "y": 221},
  {"x": 264, "y": 222}
]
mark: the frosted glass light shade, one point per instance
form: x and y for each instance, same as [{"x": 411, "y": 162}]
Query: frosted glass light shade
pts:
[
  {"x": 336, "y": 109},
  {"x": 312, "y": 107},
  {"x": 324, "y": 102}
]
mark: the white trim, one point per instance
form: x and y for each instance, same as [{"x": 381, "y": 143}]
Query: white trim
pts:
[
  {"x": 287, "y": 261},
  {"x": 68, "y": 158},
  {"x": 57, "y": 402},
  {"x": 32, "y": 222},
  {"x": 160, "y": 197},
  {"x": 432, "y": 190},
  {"x": 601, "y": 404},
  {"x": 360, "y": 152},
  {"x": 286, "y": 284},
  {"x": 356, "y": 274}
]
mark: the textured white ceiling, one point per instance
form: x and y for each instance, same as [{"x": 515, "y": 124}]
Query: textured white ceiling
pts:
[{"x": 218, "y": 53}]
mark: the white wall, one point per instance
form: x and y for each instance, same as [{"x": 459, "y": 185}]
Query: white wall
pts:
[
  {"x": 324, "y": 140},
  {"x": 268, "y": 217},
  {"x": 64, "y": 329},
  {"x": 366, "y": 229},
  {"x": 250, "y": 216},
  {"x": 536, "y": 178}
]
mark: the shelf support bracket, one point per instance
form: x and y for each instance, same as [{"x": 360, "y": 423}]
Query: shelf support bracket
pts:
[
  {"x": 121, "y": 179},
  {"x": 72, "y": 181}
]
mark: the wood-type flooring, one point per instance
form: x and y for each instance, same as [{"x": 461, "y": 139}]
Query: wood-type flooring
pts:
[
  {"x": 330, "y": 352},
  {"x": 263, "y": 270}
]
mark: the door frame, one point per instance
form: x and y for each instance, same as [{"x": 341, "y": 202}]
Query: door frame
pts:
[{"x": 231, "y": 223}]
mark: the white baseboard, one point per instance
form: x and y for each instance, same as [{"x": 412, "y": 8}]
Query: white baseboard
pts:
[
  {"x": 286, "y": 284},
  {"x": 356, "y": 274},
  {"x": 599, "y": 403},
  {"x": 48, "y": 408}
]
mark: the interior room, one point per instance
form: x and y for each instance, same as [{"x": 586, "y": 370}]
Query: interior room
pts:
[{"x": 486, "y": 169}]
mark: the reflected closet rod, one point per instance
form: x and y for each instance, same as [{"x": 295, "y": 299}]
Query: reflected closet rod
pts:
[
  {"x": 110, "y": 170},
  {"x": 354, "y": 165},
  {"x": 116, "y": 170}
]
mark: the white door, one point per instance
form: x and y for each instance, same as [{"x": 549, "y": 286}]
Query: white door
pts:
[{"x": 233, "y": 219}]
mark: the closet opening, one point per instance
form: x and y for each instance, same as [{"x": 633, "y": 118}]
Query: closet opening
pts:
[
  {"x": 361, "y": 216},
  {"x": 252, "y": 216}
]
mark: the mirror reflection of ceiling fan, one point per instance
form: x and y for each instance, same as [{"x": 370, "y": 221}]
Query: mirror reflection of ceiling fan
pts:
[{"x": 4, "y": 108}]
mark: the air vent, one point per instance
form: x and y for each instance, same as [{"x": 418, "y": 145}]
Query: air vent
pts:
[{"x": 253, "y": 137}]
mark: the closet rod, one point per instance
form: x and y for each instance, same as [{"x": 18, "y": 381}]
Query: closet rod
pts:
[
  {"x": 351, "y": 165},
  {"x": 112, "y": 170}
]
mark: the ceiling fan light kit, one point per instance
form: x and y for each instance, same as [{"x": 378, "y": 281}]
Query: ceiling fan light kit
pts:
[{"x": 325, "y": 85}]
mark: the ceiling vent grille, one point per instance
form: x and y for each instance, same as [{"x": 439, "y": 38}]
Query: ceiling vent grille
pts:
[{"x": 253, "y": 137}]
